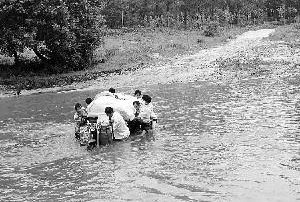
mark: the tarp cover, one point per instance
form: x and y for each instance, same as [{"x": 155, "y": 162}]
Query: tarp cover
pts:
[{"x": 122, "y": 104}]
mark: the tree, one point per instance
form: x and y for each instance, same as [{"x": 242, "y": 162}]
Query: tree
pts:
[
  {"x": 67, "y": 32},
  {"x": 62, "y": 33},
  {"x": 12, "y": 30}
]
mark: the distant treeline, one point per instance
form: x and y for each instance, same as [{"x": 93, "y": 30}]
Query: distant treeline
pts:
[
  {"x": 196, "y": 13},
  {"x": 64, "y": 33}
]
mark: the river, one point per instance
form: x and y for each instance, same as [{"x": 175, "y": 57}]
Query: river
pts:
[{"x": 234, "y": 141}]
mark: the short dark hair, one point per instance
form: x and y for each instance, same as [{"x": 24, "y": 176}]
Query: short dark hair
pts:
[
  {"x": 112, "y": 90},
  {"x": 146, "y": 98},
  {"x": 88, "y": 100},
  {"x": 77, "y": 106},
  {"x": 136, "y": 102},
  {"x": 137, "y": 92},
  {"x": 108, "y": 110}
]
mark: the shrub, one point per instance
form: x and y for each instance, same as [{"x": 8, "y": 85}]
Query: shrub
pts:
[
  {"x": 212, "y": 29},
  {"x": 297, "y": 25},
  {"x": 109, "y": 53},
  {"x": 200, "y": 41}
]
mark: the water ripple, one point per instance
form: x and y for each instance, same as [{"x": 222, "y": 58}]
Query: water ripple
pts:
[{"x": 214, "y": 142}]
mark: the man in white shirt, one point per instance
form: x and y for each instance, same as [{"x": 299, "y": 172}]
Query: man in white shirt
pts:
[
  {"x": 144, "y": 117},
  {"x": 121, "y": 131},
  {"x": 147, "y": 110}
]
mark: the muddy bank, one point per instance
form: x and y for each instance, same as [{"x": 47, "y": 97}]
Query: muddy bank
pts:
[{"x": 234, "y": 60}]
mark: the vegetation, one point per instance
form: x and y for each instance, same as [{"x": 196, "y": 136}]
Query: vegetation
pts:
[
  {"x": 124, "y": 52},
  {"x": 62, "y": 34},
  {"x": 197, "y": 13},
  {"x": 66, "y": 35},
  {"x": 289, "y": 33}
]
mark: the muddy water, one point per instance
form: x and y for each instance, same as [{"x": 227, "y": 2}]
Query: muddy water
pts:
[{"x": 215, "y": 142}]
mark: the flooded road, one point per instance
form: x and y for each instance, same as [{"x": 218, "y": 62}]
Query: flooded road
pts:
[{"x": 236, "y": 141}]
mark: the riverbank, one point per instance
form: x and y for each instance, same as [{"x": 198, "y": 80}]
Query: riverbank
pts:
[
  {"x": 139, "y": 59},
  {"x": 122, "y": 52}
]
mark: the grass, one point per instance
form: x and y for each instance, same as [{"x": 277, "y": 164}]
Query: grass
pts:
[
  {"x": 126, "y": 51},
  {"x": 150, "y": 46},
  {"x": 287, "y": 33}
]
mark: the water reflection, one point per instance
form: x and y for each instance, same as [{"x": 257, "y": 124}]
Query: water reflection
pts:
[{"x": 215, "y": 142}]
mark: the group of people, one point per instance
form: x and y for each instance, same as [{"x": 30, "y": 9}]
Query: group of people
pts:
[{"x": 142, "y": 120}]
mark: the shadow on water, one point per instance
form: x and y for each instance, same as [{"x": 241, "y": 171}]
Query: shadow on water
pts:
[{"x": 214, "y": 142}]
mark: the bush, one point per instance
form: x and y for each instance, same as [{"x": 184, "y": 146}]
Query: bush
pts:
[
  {"x": 62, "y": 34},
  {"x": 297, "y": 25},
  {"x": 212, "y": 29}
]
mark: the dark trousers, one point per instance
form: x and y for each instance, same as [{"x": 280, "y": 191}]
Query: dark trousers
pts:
[
  {"x": 137, "y": 125},
  {"x": 134, "y": 125},
  {"x": 146, "y": 126}
]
